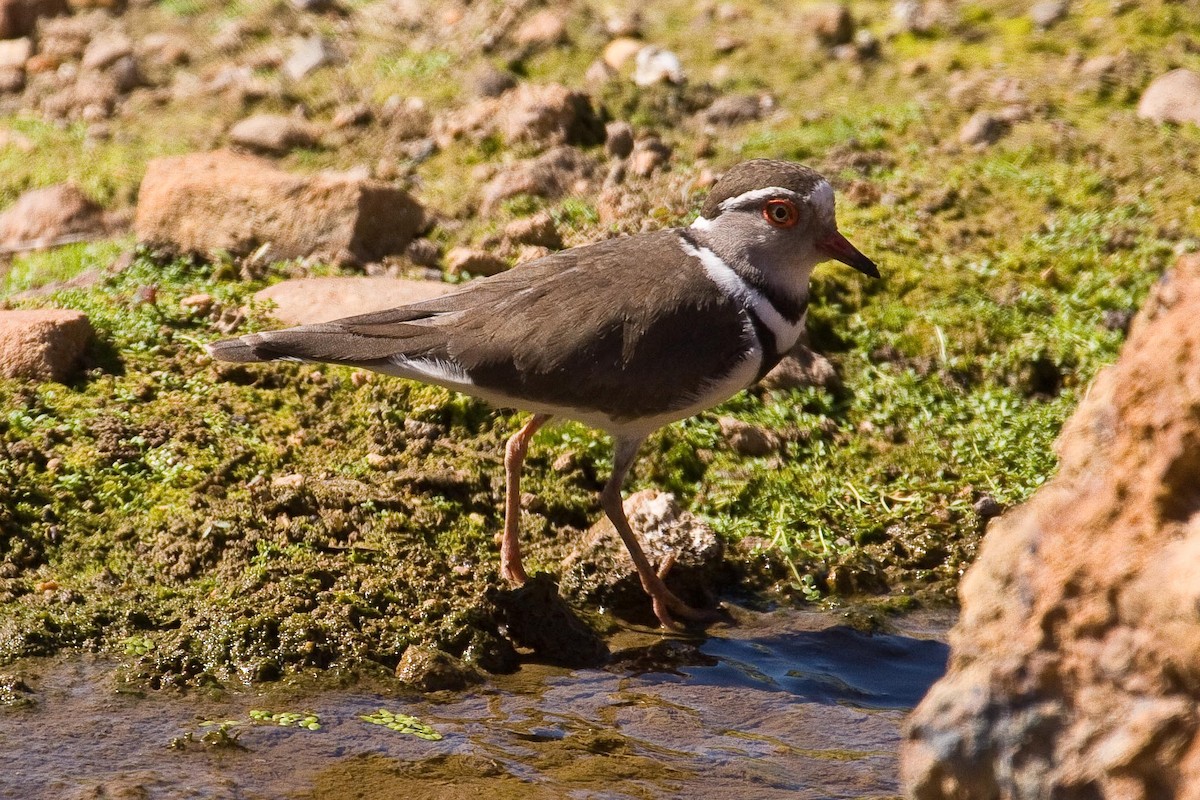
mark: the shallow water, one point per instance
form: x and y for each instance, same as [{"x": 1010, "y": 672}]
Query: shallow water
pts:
[{"x": 787, "y": 704}]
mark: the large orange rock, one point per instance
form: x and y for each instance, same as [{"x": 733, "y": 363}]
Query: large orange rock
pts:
[
  {"x": 1075, "y": 666},
  {"x": 224, "y": 201},
  {"x": 48, "y": 217},
  {"x": 42, "y": 344}
]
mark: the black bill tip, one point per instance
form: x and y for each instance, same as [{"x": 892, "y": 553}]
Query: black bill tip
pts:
[{"x": 839, "y": 248}]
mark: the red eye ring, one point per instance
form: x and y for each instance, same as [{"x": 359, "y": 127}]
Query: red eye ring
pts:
[{"x": 781, "y": 213}]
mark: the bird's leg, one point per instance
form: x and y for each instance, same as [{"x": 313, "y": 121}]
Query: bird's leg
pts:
[
  {"x": 664, "y": 600},
  {"x": 511, "y": 568}
]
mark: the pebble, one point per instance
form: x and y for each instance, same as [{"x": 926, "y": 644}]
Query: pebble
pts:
[
  {"x": 1048, "y": 13},
  {"x": 308, "y": 55},
  {"x": 656, "y": 65},
  {"x": 618, "y": 139},
  {"x": 983, "y": 128},
  {"x": 1173, "y": 97},
  {"x": 618, "y": 52}
]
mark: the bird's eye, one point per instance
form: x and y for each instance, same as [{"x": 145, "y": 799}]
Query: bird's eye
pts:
[{"x": 781, "y": 213}]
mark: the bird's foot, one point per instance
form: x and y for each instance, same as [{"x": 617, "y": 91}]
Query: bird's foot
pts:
[
  {"x": 513, "y": 571},
  {"x": 667, "y": 605}
]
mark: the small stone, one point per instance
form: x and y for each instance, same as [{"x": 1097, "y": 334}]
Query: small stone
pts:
[
  {"x": 199, "y": 304},
  {"x": 747, "y": 439},
  {"x": 165, "y": 49},
  {"x": 360, "y": 378},
  {"x": 428, "y": 669},
  {"x": 308, "y": 55},
  {"x": 272, "y": 133},
  {"x": 624, "y": 25},
  {"x": 349, "y": 116},
  {"x": 544, "y": 28},
  {"x": 987, "y": 507},
  {"x": 550, "y": 175},
  {"x": 377, "y": 460},
  {"x": 831, "y": 24},
  {"x": 423, "y": 253},
  {"x": 103, "y": 51},
  {"x": 1048, "y": 13},
  {"x": 15, "y": 52},
  {"x": 648, "y": 155},
  {"x": 538, "y": 230},
  {"x": 732, "y": 109},
  {"x": 656, "y": 65},
  {"x": 618, "y": 139},
  {"x": 290, "y": 481},
  {"x": 802, "y": 368},
  {"x": 493, "y": 82},
  {"x": 618, "y": 52},
  {"x": 982, "y": 129},
  {"x": 1173, "y": 97},
  {"x": 479, "y": 263}
]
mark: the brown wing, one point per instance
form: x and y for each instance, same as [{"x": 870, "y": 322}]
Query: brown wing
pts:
[{"x": 628, "y": 327}]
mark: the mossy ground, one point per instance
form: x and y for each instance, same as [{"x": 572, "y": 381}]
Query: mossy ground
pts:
[{"x": 140, "y": 502}]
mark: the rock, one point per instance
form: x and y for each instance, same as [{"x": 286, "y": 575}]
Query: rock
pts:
[
  {"x": 549, "y": 114},
  {"x": 541, "y": 115},
  {"x": 982, "y": 129},
  {"x": 12, "y": 80},
  {"x": 656, "y": 65},
  {"x": 747, "y": 439},
  {"x": 1075, "y": 663},
  {"x": 618, "y": 52},
  {"x": 15, "y": 52},
  {"x": 200, "y": 304},
  {"x": 802, "y": 368},
  {"x": 460, "y": 260},
  {"x": 600, "y": 572},
  {"x": 1173, "y": 97},
  {"x": 550, "y": 175},
  {"x": 732, "y": 109},
  {"x": 493, "y": 82},
  {"x": 648, "y": 155},
  {"x": 92, "y": 97},
  {"x": 274, "y": 134},
  {"x": 618, "y": 139},
  {"x": 223, "y": 201},
  {"x": 538, "y": 230},
  {"x": 987, "y": 507},
  {"x": 545, "y": 28},
  {"x": 428, "y": 669},
  {"x": 352, "y": 116},
  {"x": 423, "y": 253},
  {"x": 19, "y": 17},
  {"x": 1048, "y": 13},
  {"x": 831, "y": 24},
  {"x": 624, "y": 24},
  {"x": 534, "y": 616},
  {"x": 47, "y": 217},
  {"x": 42, "y": 344},
  {"x": 407, "y": 118},
  {"x": 165, "y": 49},
  {"x": 104, "y": 51},
  {"x": 305, "y": 301},
  {"x": 308, "y": 55}
]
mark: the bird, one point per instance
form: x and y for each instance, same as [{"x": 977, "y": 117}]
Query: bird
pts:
[{"x": 625, "y": 335}]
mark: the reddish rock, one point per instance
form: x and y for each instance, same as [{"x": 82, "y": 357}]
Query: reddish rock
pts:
[
  {"x": 1075, "y": 666},
  {"x": 46, "y": 217},
  {"x": 305, "y": 301},
  {"x": 544, "y": 28},
  {"x": 19, "y": 17},
  {"x": 42, "y": 344},
  {"x": 223, "y": 201}
]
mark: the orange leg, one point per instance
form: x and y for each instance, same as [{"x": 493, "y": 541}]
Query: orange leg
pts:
[
  {"x": 511, "y": 568},
  {"x": 664, "y": 600}
]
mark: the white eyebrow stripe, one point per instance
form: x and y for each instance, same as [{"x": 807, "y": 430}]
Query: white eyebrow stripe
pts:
[
  {"x": 748, "y": 198},
  {"x": 785, "y": 333}
]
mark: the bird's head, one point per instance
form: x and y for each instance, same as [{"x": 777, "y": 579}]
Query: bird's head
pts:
[{"x": 780, "y": 215}]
